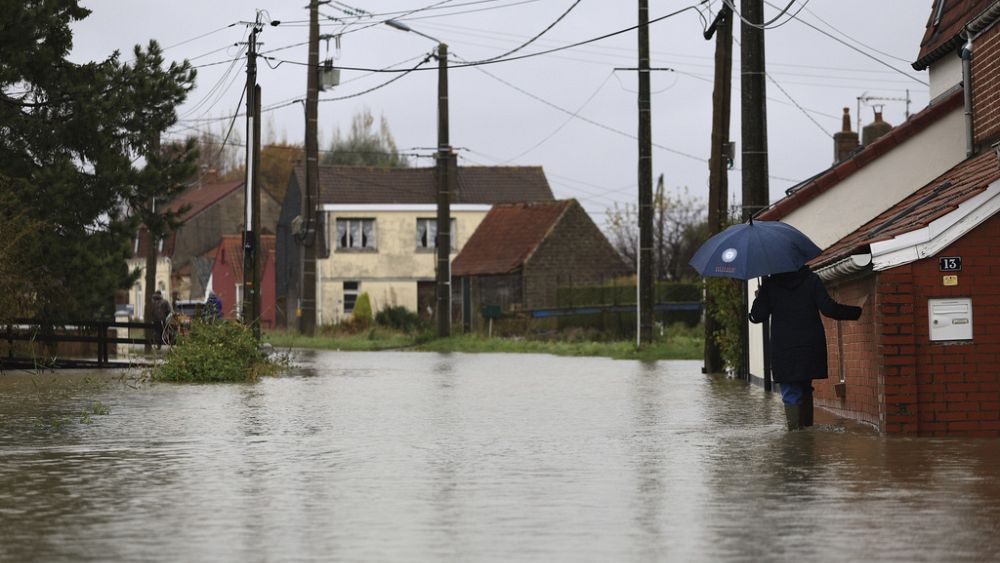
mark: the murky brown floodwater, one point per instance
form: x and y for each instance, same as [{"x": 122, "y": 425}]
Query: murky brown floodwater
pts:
[{"x": 426, "y": 457}]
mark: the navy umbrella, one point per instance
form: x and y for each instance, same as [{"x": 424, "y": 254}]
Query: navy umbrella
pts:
[{"x": 754, "y": 249}]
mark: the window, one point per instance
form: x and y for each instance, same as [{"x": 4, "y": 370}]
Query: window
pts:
[
  {"x": 427, "y": 233},
  {"x": 350, "y": 296},
  {"x": 356, "y": 234}
]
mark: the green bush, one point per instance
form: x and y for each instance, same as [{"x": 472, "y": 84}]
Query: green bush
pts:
[
  {"x": 362, "y": 314},
  {"x": 399, "y": 318},
  {"x": 214, "y": 352},
  {"x": 727, "y": 311}
]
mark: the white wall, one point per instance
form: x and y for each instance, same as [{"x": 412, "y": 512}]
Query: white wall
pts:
[{"x": 944, "y": 74}]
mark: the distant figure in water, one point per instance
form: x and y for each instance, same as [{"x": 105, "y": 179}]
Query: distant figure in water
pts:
[{"x": 794, "y": 301}]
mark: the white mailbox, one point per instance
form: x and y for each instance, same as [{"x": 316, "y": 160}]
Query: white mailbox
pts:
[{"x": 950, "y": 319}]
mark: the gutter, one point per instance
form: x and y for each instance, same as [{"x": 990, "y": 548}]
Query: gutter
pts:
[
  {"x": 966, "y": 55},
  {"x": 845, "y": 267}
]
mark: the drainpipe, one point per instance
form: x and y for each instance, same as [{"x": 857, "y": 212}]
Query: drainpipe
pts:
[{"x": 966, "y": 55}]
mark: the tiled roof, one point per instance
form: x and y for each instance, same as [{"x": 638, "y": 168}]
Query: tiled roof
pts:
[
  {"x": 168, "y": 244},
  {"x": 824, "y": 181},
  {"x": 946, "y": 35},
  {"x": 476, "y": 184},
  {"x": 199, "y": 198},
  {"x": 508, "y": 235},
  {"x": 232, "y": 245},
  {"x": 202, "y": 197},
  {"x": 936, "y": 199}
]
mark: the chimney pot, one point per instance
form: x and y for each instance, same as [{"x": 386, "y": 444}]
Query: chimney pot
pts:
[{"x": 845, "y": 142}]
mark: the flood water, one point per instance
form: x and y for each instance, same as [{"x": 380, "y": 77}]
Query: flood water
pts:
[{"x": 427, "y": 457}]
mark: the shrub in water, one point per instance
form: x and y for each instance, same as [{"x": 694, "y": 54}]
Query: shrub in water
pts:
[{"x": 214, "y": 352}]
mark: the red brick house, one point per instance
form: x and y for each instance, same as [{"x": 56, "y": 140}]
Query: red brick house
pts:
[
  {"x": 522, "y": 253},
  {"x": 227, "y": 277},
  {"x": 924, "y": 358}
]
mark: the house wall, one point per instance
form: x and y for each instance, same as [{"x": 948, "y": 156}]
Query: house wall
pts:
[
  {"x": 507, "y": 291},
  {"x": 576, "y": 252},
  {"x": 870, "y": 191},
  {"x": 852, "y": 355},
  {"x": 388, "y": 274},
  {"x": 944, "y": 75},
  {"x": 986, "y": 86},
  {"x": 201, "y": 233},
  {"x": 955, "y": 385}
]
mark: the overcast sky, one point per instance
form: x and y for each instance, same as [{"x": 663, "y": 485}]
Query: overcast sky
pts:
[{"x": 569, "y": 111}]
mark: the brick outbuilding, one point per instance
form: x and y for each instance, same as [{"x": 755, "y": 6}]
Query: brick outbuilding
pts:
[{"x": 522, "y": 253}]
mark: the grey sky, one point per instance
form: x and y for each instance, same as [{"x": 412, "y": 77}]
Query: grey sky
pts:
[{"x": 519, "y": 112}]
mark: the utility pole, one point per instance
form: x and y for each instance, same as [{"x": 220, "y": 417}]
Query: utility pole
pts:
[
  {"x": 445, "y": 171},
  {"x": 645, "y": 264},
  {"x": 306, "y": 308},
  {"x": 753, "y": 108},
  {"x": 718, "y": 176},
  {"x": 754, "y": 134},
  {"x": 251, "y": 233}
]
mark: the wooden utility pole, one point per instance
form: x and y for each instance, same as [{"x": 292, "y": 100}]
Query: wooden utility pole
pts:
[
  {"x": 718, "y": 163},
  {"x": 753, "y": 108},
  {"x": 152, "y": 254},
  {"x": 754, "y": 134},
  {"x": 445, "y": 171},
  {"x": 306, "y": 308},
  {"x": 251, "y": 232},
  {"x": 645, "y": 264}
]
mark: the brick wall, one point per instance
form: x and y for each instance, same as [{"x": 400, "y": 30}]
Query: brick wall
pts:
[
  {"x": 895, "y": 310},
  {"x": 852, "y": 349},
  {"x": 959, "y": 382},
  {"x": 575, "y": 253},
  {"x": 986, "y": 86}
]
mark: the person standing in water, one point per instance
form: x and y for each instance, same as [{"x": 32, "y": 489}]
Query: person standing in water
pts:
[{"x": 794, "y": 301}]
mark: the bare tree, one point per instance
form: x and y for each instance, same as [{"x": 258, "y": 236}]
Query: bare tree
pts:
[{"x": 679, "y": 228}]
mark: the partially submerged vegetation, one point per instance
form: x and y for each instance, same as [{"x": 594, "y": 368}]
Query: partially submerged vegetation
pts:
[{"x": 213, "y": 352}]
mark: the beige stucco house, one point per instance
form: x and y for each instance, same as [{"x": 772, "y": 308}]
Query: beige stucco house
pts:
[{"x": 379, "y": 232}]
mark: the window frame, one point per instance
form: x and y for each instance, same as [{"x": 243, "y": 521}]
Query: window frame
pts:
[
  {"x": 348, "y": 222},
  {"x": 431, "y": 247}
]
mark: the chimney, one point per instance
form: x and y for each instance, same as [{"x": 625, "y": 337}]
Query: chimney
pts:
[
  {"x": 845, "y": 142},
  {"x": 875, "y": 129}
]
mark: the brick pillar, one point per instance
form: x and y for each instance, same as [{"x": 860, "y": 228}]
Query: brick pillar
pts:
[{"x": 898, "y": 396}]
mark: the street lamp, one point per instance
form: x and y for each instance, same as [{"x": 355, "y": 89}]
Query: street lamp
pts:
[{"x": 445, "y": 158}]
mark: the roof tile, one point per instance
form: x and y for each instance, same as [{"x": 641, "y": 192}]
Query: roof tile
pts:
[{"x": 508, "y": 235}]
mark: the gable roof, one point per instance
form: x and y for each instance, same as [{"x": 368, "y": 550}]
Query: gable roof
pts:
[
  {"x": 202, "y": 197},
  {"x": 476, "y": 184},
  {"x": 507, "y": 237},
  {"x": 935, "y": 204},
  {"x": 819, "y": 184},
  {"x": 946, "y": 27}
]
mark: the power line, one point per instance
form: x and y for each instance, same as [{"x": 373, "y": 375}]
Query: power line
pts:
[
  {"x": 526, "y": 56},
  {"x": 536, "y": 37},
  {"x": 853, "y": 48}
]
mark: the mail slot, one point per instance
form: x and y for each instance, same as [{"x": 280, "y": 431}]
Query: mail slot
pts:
[{"x": 950, "y": 319}]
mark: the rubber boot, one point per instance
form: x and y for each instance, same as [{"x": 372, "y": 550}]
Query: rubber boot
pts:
[
  {"x": 793, "y": 415},
  {"x": 807, "y": 408}
]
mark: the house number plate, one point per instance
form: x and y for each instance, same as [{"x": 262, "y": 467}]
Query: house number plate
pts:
[{"x": 950, "y": 263}]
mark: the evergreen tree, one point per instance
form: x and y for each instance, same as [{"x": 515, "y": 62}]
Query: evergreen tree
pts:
[{"x": 68, "y": 136}]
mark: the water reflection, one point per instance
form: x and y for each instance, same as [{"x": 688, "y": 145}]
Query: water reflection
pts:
[{"x": 407, "y": 456}]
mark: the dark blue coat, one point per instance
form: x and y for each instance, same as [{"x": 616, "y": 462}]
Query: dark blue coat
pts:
[{"x": 794, "y": 301}]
